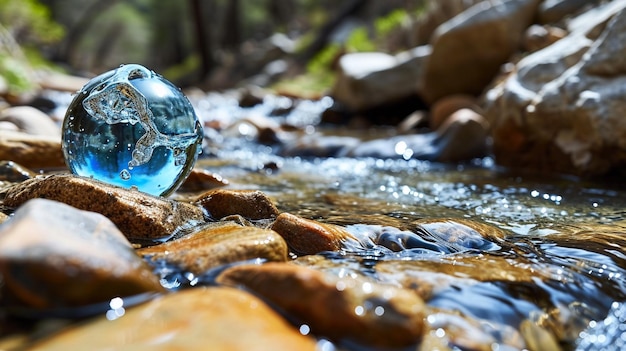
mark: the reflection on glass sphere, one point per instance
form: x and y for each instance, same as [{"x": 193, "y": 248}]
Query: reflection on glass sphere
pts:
[{"x": 132, "y": 128}]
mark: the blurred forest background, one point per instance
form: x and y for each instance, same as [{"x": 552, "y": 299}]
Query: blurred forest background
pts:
[{"x": 212, "y": 44}]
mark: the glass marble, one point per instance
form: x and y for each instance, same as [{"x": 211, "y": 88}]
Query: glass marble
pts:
[{"x": 132, "y": 128}]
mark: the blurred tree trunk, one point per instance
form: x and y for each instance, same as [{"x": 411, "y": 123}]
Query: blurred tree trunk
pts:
[
  {"x": 231, "y": 30},
  {"x": 348, "y": 9},
  {"x": 80, "y": 27},
  {"x": 203, "y": 37},
  {"x": 170, "y": 33},
  {"x": 281, "y": 12},
  {"x": 105, "y": 46}
]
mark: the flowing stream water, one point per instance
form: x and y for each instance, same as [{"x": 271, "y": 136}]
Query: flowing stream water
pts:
[
  {"x": 560, "y": 263},
  {"x": 570, "y": 232}
]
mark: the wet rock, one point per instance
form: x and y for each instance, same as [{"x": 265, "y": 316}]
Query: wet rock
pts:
[
  {"x": 414, "y": 121},
  {"x": 428, "y": 236},
  {"x": 538, "y": 338},
  {"x": 219, "y": 244},
  {"x": 13, "y": 172},
  {"x": 32, "y": 151},
  {"x": 366, "y": 80},
  {"x": 30, "y": 121},
  {"x": 561, "y": 109},
  {"x": 61, "y": 82},
  {"x": 251, "y": 96},
  {"x": 462, "y": 233},
  {"x": 250, "y": 204},
  {"x": 463, "y": 136},
  {"x": 202, "y": 179},
  {"x": 469, "y": 49},
  {"x": 448, "y": 325},
  {"x": 552, "y": 11},
  {"x": 445, "y": 107},
  {"x": 432, "y": 277},
  {"x": 340, "y": 308},
  {"x": 8, "y": 126},
  {"x": 195, "y": 319},
  {"x": 460, "y": 332},
  {"x": 437, "y": 12},
  {"x": 53, "y": 255},
  {"x": 307, "y": 237},
  {"x": 138, "y": 215},
  {"x": 317, "y": 145},
  {"x": 538, "y": 37}
]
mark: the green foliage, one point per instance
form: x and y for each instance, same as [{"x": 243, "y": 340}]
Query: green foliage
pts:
[
  {"x": 16, "y": 73},
  {"x": 185, "y": 68},
  {"x": 308, "y": 85},
  {"x": 29, "y": 21},
  {"x": 24, "y": 25},
  {"x": 386, "y": 24},
  {"x": 359, "y": 40},
  {"x": 322, "y": 62}
]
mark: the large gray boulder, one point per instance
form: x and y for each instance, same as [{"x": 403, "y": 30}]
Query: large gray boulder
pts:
[
  {"x": 562, "y": 108},
  {"x": 370, "y": 79},
  {"x": 469, "y": 49}
]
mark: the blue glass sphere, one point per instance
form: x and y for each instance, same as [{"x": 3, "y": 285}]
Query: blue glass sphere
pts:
[{"x": 132, "y": 128}]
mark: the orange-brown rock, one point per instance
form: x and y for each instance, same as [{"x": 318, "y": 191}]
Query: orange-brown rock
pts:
[
  {"x": 348, "y": 308},
  {"x": 202, "y": 179},
  {"x": 138, "y": 215},
  {"x": 446, "y": 106},
  {"x": 307, "y": 237},
  {"x": 250, "y": 204},
  {"x": 196, "y": 319},
  {"x": 462, "y": 136},
  {"x": 53, "y": 255},
  {"x": 218, "y": 244},
  {"x": 32, "y": 151}
]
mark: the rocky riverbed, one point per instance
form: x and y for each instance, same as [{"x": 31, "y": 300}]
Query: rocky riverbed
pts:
[
  {"x": 320, "y": 253},
  {"x": 302, "y": 228}
]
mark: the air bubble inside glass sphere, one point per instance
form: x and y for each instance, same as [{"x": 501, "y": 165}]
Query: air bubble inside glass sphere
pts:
[{"x": 132, "y": 128}]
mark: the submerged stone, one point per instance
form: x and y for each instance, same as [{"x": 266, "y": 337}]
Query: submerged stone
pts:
[{"x": 132, "y": 128}]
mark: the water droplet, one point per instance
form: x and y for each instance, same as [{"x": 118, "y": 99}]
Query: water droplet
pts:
[
  {"x": 379, "y": 310},
  {"x": 305, "y": 329},
  {"x": 125, "y": 174},
  {"x": 359, "y": 310}
]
